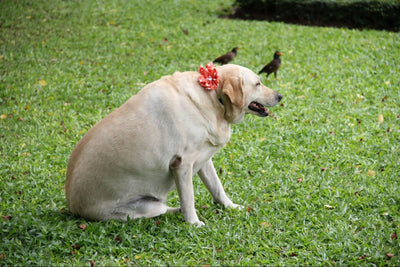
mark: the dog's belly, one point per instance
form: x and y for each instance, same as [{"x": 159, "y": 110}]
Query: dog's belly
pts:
[{"x": 125, "y": 169}]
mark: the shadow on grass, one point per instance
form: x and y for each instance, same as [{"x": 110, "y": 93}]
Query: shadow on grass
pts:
[{"x": 378, "y": 15}]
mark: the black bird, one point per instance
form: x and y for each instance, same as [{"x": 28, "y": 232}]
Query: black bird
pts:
[
  {"x": 273, "y": 66},
  {"x": 228, "y": 57}
]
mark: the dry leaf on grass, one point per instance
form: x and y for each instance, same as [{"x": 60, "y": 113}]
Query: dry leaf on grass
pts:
[{"x": 380, "y": 118}]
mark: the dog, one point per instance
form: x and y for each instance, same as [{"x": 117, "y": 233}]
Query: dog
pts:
[{"x": 126, "y": 165}]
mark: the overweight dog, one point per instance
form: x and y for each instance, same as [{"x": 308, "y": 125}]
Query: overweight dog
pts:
[{"x": 126, "y": 165}]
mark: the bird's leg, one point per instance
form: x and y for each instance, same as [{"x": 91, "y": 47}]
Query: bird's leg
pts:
[{"x": 276, "y": 76}]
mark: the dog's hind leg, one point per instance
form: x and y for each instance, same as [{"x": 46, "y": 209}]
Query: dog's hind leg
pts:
[{"x": 143, "y": 206}]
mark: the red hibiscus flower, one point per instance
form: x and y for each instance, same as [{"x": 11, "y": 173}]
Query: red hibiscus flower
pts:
[{"x": 208, "y": 76}]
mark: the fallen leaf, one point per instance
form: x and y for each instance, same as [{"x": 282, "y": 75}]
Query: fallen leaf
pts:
[
  {"x": 42, "y": 82},
  {"x": 380, "y": 118},
  {"x": 7, "y": 218},
  {"x": 265, "y": 224},
  {"x": 389, "y": 255},
  {"x": 300, "y": 180},
  {"x": 92, "y": 263},
  {"x": 76, "y": 246},
  {"x": 82, "y": 226},
  {"x": 137, "y": 257},
  {"x": 118, "y": 238},
  {"x": 371, "y": 173},
  {"x": 3, "y": 116},
  {"x": 158, "y": 223},
  {"x": 394, "y": 236},
  {"x": 2, "y": 256},
  {"x": 329, "y": 207}
]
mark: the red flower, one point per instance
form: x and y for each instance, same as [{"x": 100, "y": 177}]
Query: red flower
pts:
[{"x": 209, "y": 76}]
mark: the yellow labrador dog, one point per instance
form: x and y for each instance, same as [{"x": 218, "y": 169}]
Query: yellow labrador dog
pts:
[{"x": 126, "y": 165}]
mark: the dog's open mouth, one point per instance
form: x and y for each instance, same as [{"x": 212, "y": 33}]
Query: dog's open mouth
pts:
[{"x": 260, "y": 109}]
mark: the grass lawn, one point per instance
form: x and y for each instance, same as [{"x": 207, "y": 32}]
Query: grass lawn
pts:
[{"x": 319, "y": 179}]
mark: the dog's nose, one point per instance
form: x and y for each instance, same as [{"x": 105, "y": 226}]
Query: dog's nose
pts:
[{"x": 279, "y": 96}]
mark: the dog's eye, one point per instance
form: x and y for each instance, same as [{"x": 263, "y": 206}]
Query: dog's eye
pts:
[{"x": 258, "y": 84}]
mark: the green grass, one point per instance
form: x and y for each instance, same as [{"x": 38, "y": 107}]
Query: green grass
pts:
[{"x": 319, "y": 180}]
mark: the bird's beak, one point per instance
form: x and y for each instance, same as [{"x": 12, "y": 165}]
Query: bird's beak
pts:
[
  {"x": 280, "y": 54},
  {"x": 239, "y": 47}
]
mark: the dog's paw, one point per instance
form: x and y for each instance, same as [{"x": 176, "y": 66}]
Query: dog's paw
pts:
[
  {"x": 199, "y": 224},
  {"x": 234, "y": 206},
  {"x": 239, "y": 207}
]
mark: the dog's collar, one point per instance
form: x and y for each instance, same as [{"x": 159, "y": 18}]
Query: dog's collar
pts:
[{"x": 208, "y": 77}]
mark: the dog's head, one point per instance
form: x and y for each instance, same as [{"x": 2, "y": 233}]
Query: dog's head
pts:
[{"x": 242, "y": 92}]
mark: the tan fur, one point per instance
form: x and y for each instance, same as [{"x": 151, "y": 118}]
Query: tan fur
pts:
[{"x": 126, "y": 165}]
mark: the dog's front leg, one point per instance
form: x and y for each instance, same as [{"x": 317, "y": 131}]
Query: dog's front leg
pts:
[
  {"x": 210, "y": 178},
  {"x": 183, "y": 175}
]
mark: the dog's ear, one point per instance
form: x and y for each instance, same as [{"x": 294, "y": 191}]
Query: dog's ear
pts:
[{"x": 233, "y": 89}]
